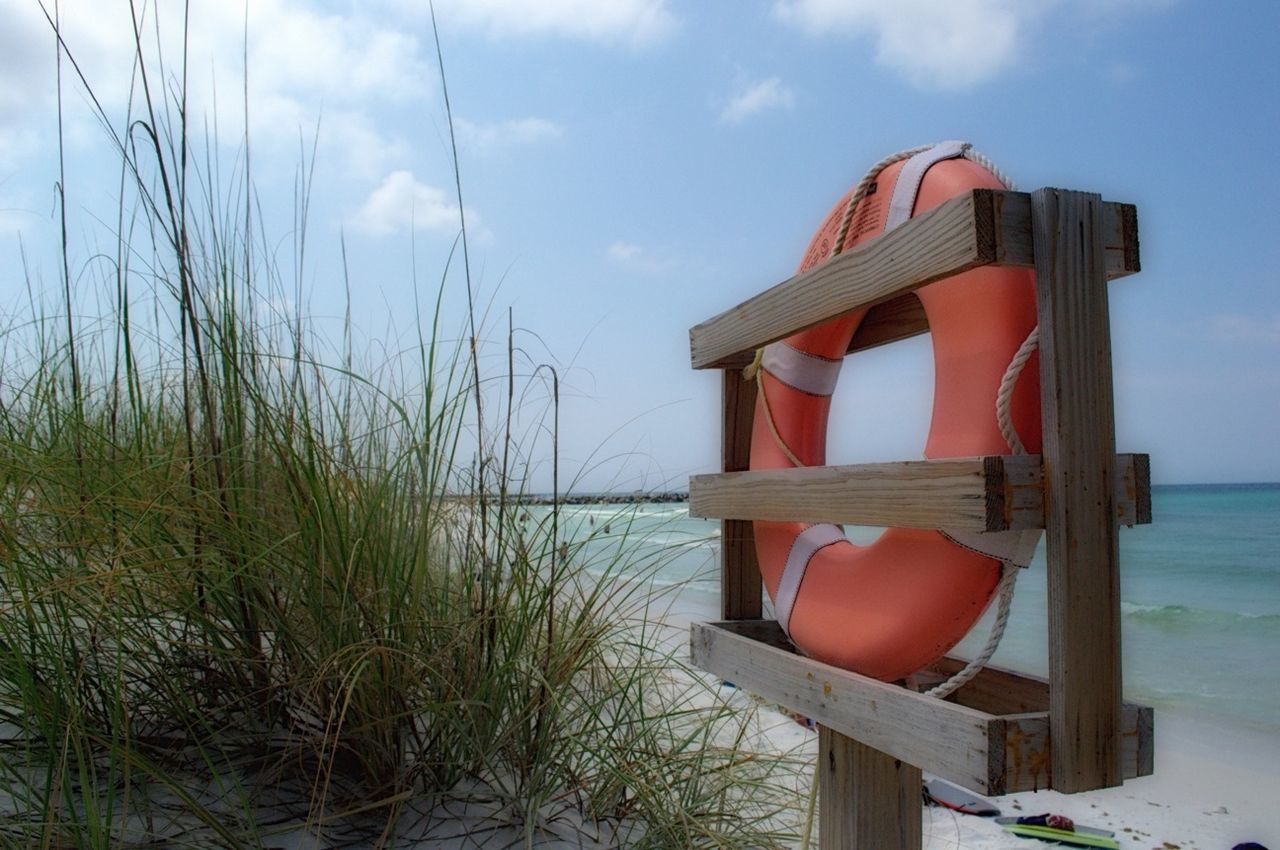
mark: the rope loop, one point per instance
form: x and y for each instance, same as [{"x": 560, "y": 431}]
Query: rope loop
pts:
[
  {"x": 1008, "y": 577},
  {"x": 1004, "y": 397}
]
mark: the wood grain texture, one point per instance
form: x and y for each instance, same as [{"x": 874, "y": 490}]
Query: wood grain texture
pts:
[
  {"x": 996, "y": 493},
  {"x": 977, "y": 228},
  {"x": 904, "y": 317},
  {"x": 968, "y": 493},
  {"x": 954, "y": 237},
  {"x": 866, "y": 800},
  {"x": 1029, "y": 750},
  {"x": 996, "y": 690},
  {"x": 948, "y": 740},
  {"x": 741, "y": 595},
  {"x": 1137, "y": 488},
  {"x": 993, "y": 735},
  {"x": 1022, "y": 700},
  {"x": 1079, "y": 466},
  {"x": 1131, "y": 256},
  {"x": 1016, "y": 240}
]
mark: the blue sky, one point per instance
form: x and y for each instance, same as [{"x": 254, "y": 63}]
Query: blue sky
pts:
[{"x": 632, "y": 167}]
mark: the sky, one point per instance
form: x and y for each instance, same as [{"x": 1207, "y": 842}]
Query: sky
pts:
[{"x": 630, "y": 168}]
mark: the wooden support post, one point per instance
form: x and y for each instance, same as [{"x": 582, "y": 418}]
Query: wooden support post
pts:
[
  {"x": 740, "y": 592},
  {"x": 1079, "y": 479},
  {"x": 866, "y": 799}
]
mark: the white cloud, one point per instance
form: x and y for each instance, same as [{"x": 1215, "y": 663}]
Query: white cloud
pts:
[
  {"x": 756, "y": 98},
  {"x": 1121, "y": 73},
  {"x": 342, "y": 57},
  {"x": 302, "y": 60},
  {"x": 1242, "y": 329},
  {"x": 401, "y": 202},
  {"x": 953, "y": 45},
  {"x": 633, "y": 22},
  {"x": 637, "y": 259},
  {"x": 348, "y": 136},
  {"x": 15, "y": 222},
  {"x": 520, "y": 131},
  {"x": 624, "y": 251},
  {"x": 15, "y": 144}
]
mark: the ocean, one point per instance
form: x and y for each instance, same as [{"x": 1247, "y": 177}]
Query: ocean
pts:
[{"x": 1200, "y": 594}]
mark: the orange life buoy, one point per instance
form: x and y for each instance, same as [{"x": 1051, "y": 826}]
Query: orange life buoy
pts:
[{"x": 890, "y": 608}]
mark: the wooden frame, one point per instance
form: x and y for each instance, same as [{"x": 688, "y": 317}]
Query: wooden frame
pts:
[
  {"x": 999, "y": 493},
  {"x": 994, "y": 734},
  {"x": 982, "y": 227}
]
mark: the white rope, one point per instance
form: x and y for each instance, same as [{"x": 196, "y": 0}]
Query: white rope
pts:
[
  {"x": 768, "y": 417},
  {"x": 1004, "y": 397},
  {"x": 860, "y": 191},
  {"x": 1008, "y": 577},
  {"x": 974, "y": 156}
]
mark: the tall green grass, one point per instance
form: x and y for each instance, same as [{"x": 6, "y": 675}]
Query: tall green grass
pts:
[{"x": 248, "y": 582}]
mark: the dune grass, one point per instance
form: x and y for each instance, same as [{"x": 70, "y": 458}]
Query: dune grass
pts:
[{"x": 247, "y": 583}]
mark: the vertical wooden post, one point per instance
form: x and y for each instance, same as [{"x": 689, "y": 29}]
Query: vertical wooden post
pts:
[
  {"x": 740, "y": 592},
  {"x": 1079, "y": 450},
  {"x": 866, "y": 800}
]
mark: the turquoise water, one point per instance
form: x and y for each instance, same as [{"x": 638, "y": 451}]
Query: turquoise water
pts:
[{"x": 1200, "y": 591}]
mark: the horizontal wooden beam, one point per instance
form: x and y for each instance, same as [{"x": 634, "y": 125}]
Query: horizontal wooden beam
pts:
[
  {"x": 1029, "y": 755},
  {"x": 981, "y": 227},
  {"x": 988, "y": 752},
  {"x": 996, "y": 493},
  {"x": 948, "y": 740},
  {"x": 954, "y": 237},
  {"x": 1022, "y": 700}
]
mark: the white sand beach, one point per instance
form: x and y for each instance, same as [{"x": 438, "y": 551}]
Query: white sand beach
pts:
[{"x": 1213, "y": 788}]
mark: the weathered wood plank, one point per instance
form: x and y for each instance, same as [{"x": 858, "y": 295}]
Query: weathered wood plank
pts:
[
  {"x": 996, "y": 690},
  {"x": 903, "y": 317},
  {"x": 1136, "y": 488},
  {"x": 993, "y": 735},
  {"x": 967, "y": 493},
  {"x": 948, "y": 740},
  {"x": 1080, "y": 486},
  {"x": 1118, "y": 234},
  {"x": 977, "y": 228},
  {"x": 1130, "y": 253},
  {"x": 954, "y": 237},
  {"x": 1019, "y": 696},
  {"x": 996, "y": 493},
  {"x": 866, "y": 799},
  {"x": 1029, "y": 750},
  {"x": 741, "y": 597}
]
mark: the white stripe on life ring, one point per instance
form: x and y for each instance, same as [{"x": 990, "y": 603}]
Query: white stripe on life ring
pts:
[
  {"x": 805, "y": 546},
  {"x": 912, "y": 174},
  {"x": 808, "y": 373}
]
